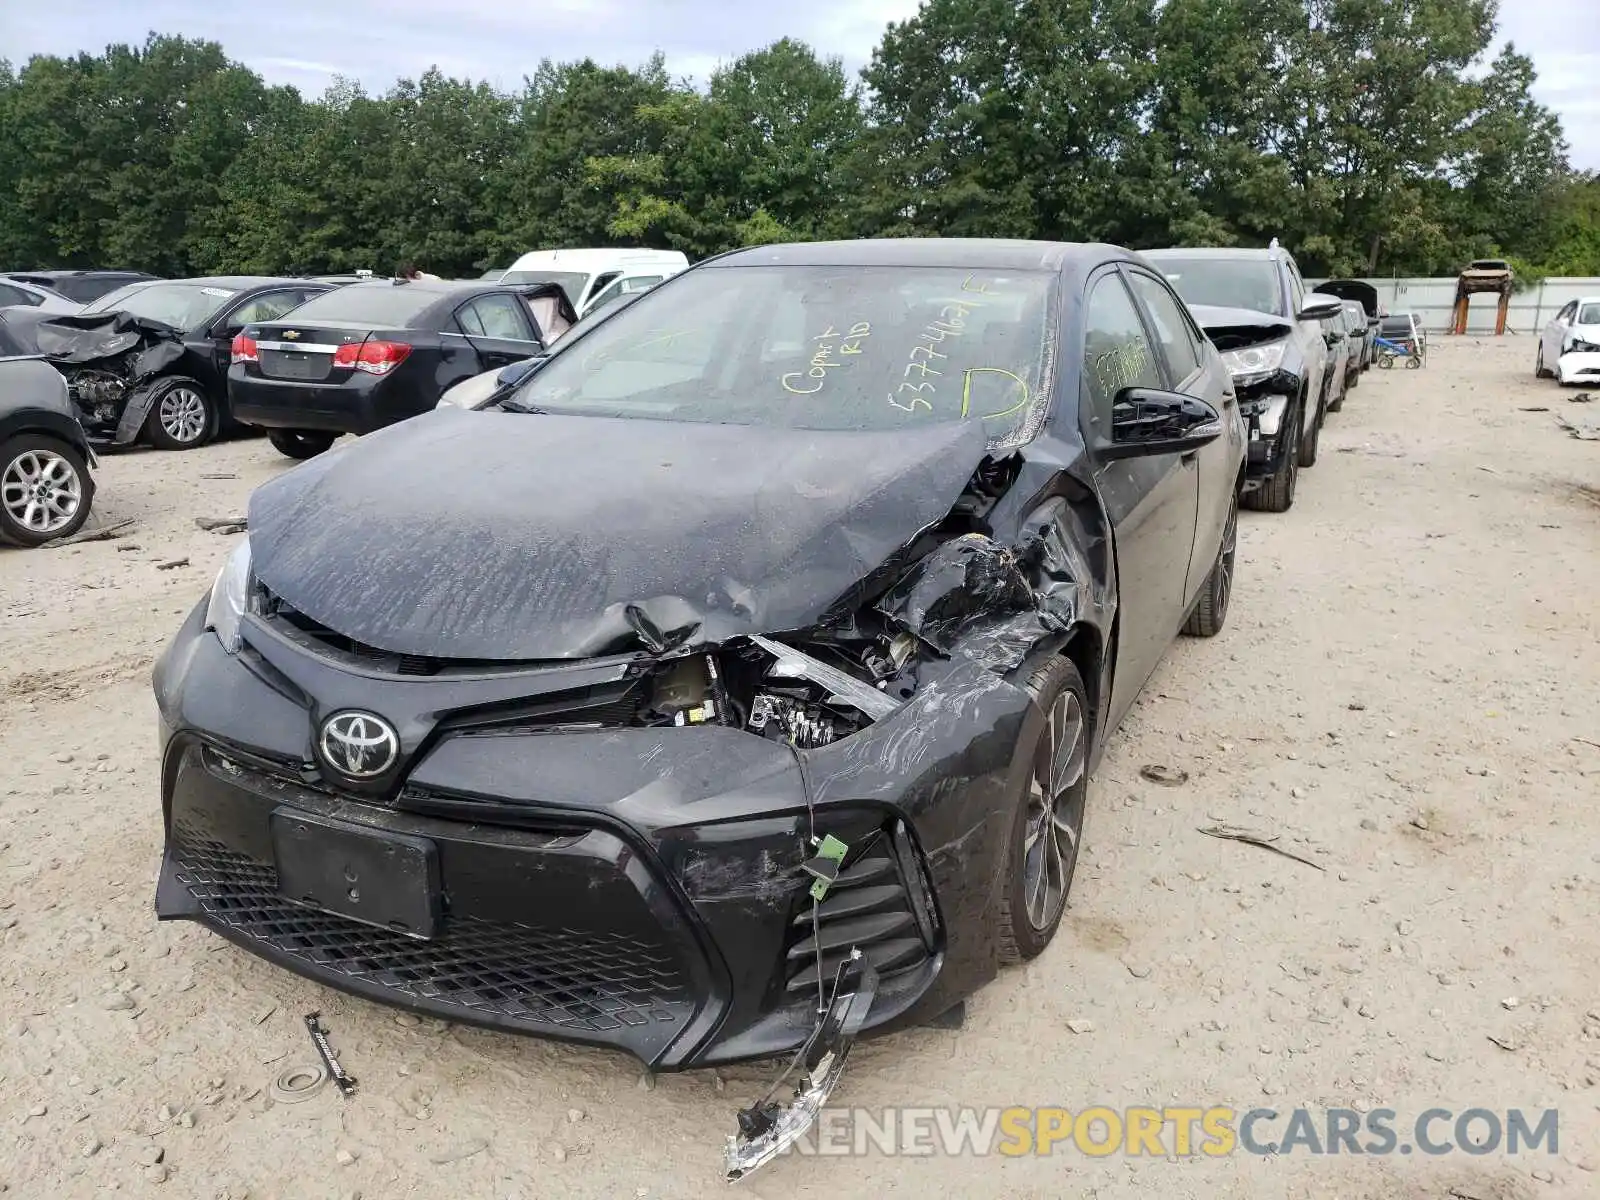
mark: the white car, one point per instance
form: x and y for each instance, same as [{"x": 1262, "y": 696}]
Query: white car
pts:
[
  {"x": 595, "y": 278},
  {"x": 1571, "y": 341},
  {"x": 15, "y": 292}
]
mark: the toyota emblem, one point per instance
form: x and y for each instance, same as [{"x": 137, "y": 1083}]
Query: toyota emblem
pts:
[{"x": 361, "y": 745}]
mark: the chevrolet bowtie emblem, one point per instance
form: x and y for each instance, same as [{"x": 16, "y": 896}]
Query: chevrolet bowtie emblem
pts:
[{"x": 291, "y": 334}]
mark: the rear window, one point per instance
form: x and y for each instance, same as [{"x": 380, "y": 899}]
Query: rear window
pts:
[{"x": 391, "y": 304}]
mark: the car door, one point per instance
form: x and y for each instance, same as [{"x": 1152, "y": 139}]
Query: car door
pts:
[
  {"x": 1312, "y": 346},
  {"x": 1151, "y": 501},
  {"x": 1190, "y": 369},
  {"x": 499, "y": 328},
  {"x": 1555, "y": 331}
]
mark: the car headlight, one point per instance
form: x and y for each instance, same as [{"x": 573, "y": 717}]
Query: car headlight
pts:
[
  {"x": 230, "y": 597},
  {"x": 1579, "y": 346},
  {"x": 1255, "y": 362}
]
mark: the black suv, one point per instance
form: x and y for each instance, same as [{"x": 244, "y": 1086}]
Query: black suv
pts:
[{"x": 1272, "y": 333}]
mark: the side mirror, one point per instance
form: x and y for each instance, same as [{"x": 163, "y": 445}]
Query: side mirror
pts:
[
  {"x": 1319, "y": 308},
  {"x": 514, "y": 373},
  {"x": 1145, "y": 422}
]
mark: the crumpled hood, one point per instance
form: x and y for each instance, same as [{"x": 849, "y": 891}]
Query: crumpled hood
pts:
[{"x": 505, "y": 536}]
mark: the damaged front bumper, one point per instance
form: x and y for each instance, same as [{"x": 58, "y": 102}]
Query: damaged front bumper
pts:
[
  {"x": 1579, "y": 366},
  {"x": 1264, "y": 413},
  {"x": 643, "y": 889}
]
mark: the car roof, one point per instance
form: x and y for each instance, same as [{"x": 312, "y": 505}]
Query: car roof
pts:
[
  {"x": 994, "y": 253},
  {"x": 1266, "y": 253},
  {"x": 237, "y": 283},
  {"x": 592, "y": 260}
]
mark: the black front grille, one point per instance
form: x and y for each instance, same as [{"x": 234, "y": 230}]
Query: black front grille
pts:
[
  {"x": 584, "y": 983},
  {"x": 870, "y": 908}
]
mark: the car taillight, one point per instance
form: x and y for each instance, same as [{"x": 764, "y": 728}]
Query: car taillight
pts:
[
  {"x": 244, "y": 349},
  {"x": 373, "y": 357}
]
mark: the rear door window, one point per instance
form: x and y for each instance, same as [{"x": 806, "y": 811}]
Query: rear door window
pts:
[{"x": 497, "y": 316}]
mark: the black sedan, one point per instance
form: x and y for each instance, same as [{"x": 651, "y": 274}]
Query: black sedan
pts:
[
  {"x": 150, "y": 359},
  {"x": 751, "y": 658},
  {"x": 46, "y": 490},
  {"x": 375, "y": 353}
]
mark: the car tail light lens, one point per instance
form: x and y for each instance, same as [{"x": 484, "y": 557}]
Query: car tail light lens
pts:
[
  {"x": 244, "y": 350},
  {"x": 372, "y": 356}
]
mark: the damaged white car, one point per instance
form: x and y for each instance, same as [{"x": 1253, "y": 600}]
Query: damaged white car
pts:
[{"x": 1569, "y": 348}]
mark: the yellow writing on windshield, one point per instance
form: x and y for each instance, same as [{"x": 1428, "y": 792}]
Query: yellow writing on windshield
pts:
[
  {"x": 966, "y": 391},
  {"x": 827, "y": 343},
  {"x": 916, "y": 388}
]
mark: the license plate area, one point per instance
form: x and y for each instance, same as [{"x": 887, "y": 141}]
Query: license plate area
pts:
[
  {"x": 295, "y": 364},
  {"x": 388, "y": 880}
]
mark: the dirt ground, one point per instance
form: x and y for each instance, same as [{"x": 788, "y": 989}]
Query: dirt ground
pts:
[{"x": 1406, "y": 694}]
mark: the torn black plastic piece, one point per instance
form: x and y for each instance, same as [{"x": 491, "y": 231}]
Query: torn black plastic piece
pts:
[
  {"x": 345, "y": 1082},
  {"x": 770, "y": 1126}
]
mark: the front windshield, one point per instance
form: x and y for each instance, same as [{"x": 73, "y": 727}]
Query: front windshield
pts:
[
  {"x": 572, "y": 282},
  {"x": 1250, "y": 283},
  {"x": 181, "y": 305},
  {"x": 819, "y": 347},
  {"x": 1589, "y": 314}
]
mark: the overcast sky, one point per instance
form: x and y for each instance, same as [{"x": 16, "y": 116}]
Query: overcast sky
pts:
[{"x": 307, "y": 42}]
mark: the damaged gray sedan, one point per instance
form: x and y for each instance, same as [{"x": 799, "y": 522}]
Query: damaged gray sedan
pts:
[{"x": 732, "y": 686}]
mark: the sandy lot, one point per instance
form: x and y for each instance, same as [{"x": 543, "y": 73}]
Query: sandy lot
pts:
[{"x": 1406, "y": 694}]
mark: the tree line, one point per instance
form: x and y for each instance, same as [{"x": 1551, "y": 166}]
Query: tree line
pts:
[{"x": 1369, "y": 136}]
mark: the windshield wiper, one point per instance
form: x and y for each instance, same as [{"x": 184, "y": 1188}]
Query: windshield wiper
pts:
[{"x": 509, "y": 405}]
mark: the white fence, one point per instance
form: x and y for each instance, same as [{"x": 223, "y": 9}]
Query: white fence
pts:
[{"x": 1433, "y": 299}]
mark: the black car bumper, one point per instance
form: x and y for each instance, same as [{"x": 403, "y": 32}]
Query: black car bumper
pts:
[
  {"x": 639, "y": 889},
  {"x": 358, "y": 404}
]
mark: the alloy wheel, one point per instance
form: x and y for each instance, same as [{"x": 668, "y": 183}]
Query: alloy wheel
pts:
[
  {"x": 41, "y": 491},
  {"x": 183, "y": 414},
  {"x": 1056, "y": 795}
]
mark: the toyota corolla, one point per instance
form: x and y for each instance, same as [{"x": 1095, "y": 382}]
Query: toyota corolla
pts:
[{"x": 733, "y": 685}]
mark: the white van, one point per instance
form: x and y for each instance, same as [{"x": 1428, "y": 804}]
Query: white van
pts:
[{"x": 593, "y": 278}]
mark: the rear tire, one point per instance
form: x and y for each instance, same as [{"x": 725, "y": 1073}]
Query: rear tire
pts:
[
  {"x": 1211, "y": 611},
  {"x": 46, "y": 490},
  {"x": 1276, "y": 493},
  {"x": 1308, "y": 447},
  {"x": 299, "y": 443},
  {"x": 1048, "y": 829},
  {"x": 182, "y": 416}
]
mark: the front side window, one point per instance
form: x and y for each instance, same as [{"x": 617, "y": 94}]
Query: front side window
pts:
[
  {"x": 820, "y": 347},
  {"x": 268, "y": 306},
  {"x": 1171, "y": 326},
  {"x": 1116, "y": 350}
]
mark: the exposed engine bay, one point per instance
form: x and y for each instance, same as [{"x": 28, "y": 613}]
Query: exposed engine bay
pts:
[{"x": 109, "y": 361}]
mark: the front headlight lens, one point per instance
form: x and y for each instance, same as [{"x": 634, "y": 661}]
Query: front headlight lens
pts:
[
  {"x": 1579, "y": 346},
  {"x": 1253, "y": 362},
  {"x": 230, "y": 597}
]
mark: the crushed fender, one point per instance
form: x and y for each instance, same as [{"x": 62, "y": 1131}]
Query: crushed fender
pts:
[{"x": 769, "y": 1127}]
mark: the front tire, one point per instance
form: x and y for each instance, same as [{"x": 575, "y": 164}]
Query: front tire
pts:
[
  {"x": 46, "y": 490},
  {"x": 182, "y": 416},
  {"x": 1211, "y": 610},
  {"x": 299, "y": 443},
  {"x": 1276, "y": 493},
  {"x": 1048, "y": 828}
]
